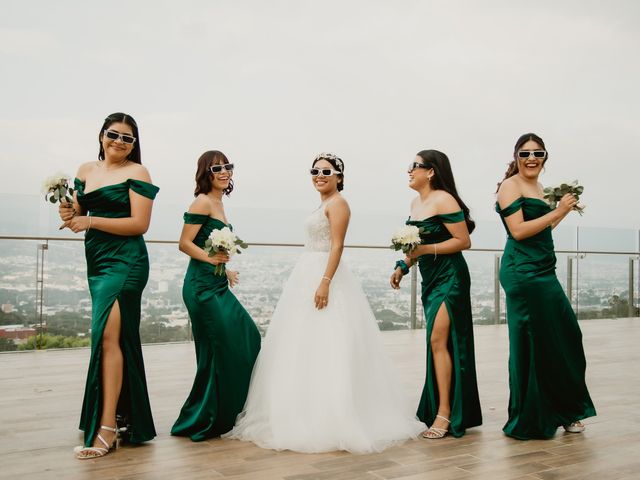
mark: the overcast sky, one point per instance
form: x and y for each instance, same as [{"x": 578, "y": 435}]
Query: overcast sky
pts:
[{"x": 273, "y": 83}]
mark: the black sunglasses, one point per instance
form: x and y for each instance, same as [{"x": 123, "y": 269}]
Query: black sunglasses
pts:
[
  {"x": 218, "y": 168},
  {"x": 414, "y": 165},
  {"x": 113, "y": 135},
  {"x": 535, "y": 153}
]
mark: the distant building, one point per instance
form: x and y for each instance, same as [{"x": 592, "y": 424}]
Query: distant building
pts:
[
  {"x": 17, "y": 332},
  {"x": 6, "y": 308}
]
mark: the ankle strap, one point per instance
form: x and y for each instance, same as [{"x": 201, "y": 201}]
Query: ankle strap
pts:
[
  {"x": 109, "y": 429},
  {"x": 443, "y": 418}
]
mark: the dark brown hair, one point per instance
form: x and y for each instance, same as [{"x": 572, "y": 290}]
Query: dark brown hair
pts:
[
  {"x": 443, "y": 180},
  {"x": 512, "y": 169},
  {"x": 119, "y": 117},
  {"x": 336, "y": 162},
  {"x": 203, "y": 175}
]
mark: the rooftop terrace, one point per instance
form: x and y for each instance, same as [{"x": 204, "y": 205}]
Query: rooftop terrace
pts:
[{"x": 42, "y": 393}]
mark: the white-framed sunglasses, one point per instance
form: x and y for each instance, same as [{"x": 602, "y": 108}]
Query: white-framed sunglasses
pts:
[
  {"x": 113, "y": 135},
  {"x": 325, "y": 172},
  {"x": 535, "y": 153},
  {"x": 218, "y": 168}
]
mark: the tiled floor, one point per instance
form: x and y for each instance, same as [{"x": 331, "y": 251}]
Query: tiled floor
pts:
[{"x": 41, "y": 393}]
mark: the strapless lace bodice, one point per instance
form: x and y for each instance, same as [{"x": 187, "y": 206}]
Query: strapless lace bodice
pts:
[{"x": 318, "y": 235}]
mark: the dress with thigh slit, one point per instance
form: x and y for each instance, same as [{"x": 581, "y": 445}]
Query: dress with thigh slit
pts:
[
  {"x": 117, "y": 270},
  {"x": 445, "y": 280}
]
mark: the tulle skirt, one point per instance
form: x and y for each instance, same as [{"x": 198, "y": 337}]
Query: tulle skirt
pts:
[{"x": 322, "y": 380}]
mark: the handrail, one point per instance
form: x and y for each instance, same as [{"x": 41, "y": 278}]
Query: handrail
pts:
[{"x": 276, "y": 244}]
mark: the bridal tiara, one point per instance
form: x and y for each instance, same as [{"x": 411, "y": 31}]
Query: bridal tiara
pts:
[{"x": 331, "y": 156}]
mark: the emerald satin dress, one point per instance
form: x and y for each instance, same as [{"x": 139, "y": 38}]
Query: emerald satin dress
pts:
[
  {"x": 445, "y": 279},
  {"x": 546, "y": 359},
  {"x": 227, "y": 343},
  {"x": 117, "y": 269}
]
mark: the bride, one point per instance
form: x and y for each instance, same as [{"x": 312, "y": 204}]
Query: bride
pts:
[{"x": 322, "y": 382}]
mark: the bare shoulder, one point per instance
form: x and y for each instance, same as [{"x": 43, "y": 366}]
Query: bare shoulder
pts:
[
  {"x": 136, "y": 171},
  {"x": 509, "y": 191},
  {"x": 445, "y": 202},
  {"x": 339, "y": 205},
  {"x": 85, "y": 170},
  {"x": 201, "y": 205}
]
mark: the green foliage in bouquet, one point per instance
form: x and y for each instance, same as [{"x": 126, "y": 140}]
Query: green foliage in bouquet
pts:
[{"x": 553, "y": 194}]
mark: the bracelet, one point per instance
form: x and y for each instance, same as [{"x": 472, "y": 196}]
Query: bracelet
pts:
[
  {"x": 435, "y": 251},
  {"x": 89, "y": 228},
  {"x": 324, "y": 277},
  {"x": 404, "y": 268}
]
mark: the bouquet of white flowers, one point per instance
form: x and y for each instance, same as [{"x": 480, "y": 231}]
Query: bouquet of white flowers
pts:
[
  {"x": 223, "y": 240},
  {"x": 56, "y": 189},
  {"x": 406, "y": 238},
  {"x": 553, "y": 194}
]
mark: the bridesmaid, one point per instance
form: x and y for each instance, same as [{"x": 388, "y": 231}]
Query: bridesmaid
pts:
[
  {"x": 227, "y": 340},
  {"x": 546, "y": 359},
  {"x": 449, "y": 401},
  {"x": 112, "y": 205}
]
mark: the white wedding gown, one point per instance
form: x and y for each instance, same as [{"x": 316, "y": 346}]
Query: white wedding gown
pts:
[{"x": 322, "y": 380}]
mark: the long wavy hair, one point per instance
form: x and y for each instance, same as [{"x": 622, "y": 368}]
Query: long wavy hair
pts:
[
  {"x": 443, "y": 180},
  {"x": 203, "y": 175},
  {"x": 512, "y": 169},
  {"x": 119, "y": 117}
]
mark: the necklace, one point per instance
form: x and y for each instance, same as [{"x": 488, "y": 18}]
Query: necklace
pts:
[{"x": 116, "y": 166}]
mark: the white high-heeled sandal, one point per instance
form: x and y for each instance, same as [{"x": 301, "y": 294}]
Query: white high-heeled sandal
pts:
[
  {"x": 435, "y": 432},
  {"x": 84, "y": 453},
  {"x": 575, "y": 427}
]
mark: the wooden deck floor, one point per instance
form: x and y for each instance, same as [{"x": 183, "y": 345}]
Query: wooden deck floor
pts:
[{"x": 41, "y": 394}]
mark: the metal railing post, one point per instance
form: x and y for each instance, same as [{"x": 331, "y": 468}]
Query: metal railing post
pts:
[
  {"x": 496, "y": 290},
  {"x": 414, "y": 297},
  {"x": 631, "y": 309},
  {"x": 42, "y": 247},
  {"x": 570, "y": 278}
]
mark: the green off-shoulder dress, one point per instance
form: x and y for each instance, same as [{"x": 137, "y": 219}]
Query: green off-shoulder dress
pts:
[
  {"x": 227, "y": 343},
  {"x": 445, "y": 279},
  {"x": 117, "y": 269},
  {"x": 546, "y": 359}
]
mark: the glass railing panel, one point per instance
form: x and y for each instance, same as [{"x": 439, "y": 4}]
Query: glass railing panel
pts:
[
  {"x": 602, "y": 290},
  {"x": 482, "y": 266},
  {"x": 66, "y": 308},
  {"x": 164, "y": 317},
  {"x": 373, "y": 268},
  {"x": 18, "y": 295},
  {"x": 598, "y": 285}
]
